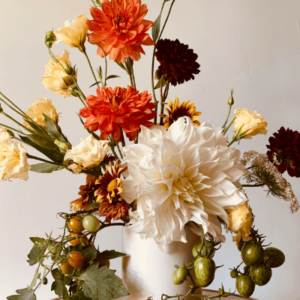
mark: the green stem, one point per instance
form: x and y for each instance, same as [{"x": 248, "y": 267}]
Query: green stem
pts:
[
  {"x": 253, "y": 185},
  {"x": 105, "y": 74},
  {"x": 12, "y": 119},
  {"x": 153, "y": 55},
  {"x": 119, "y": 150},
  {"x": 163, "y": 97},
  {"x": 132, "y": 78},
  {"x": 230, "y": 106},
  {"x": 225, "y": 130},
  {"x": 112, "y": 141},
  {"x": 8, "y": 127},
  {"x": 18, "y": 108},
  {"x": 89, "y": 62}
]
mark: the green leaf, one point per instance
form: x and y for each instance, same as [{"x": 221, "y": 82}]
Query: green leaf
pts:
[
  {"x": 100, "y": 73},
  {"x": 37, "y": 240},
  {"x": 36, "y": 253},
  {"x": 109, "y": 254},
  {"x": 55, "y": 155},
  {"x": 53, "y": 130},
  {"x": 160, "y": 82},
  {"x": 89, "y": 252},
  {"x": 156, "y": 28},
  {"x": 24, "y": 294},
  {"x": 41, "y": 140},
  {"x": 128, "y": 66},
  {"x": 102, "y": 283},
  {"x": 95, "y": 83},
  {"x": 46, "y": 168},
  {"x": 121, "y": 66},
  {"x": 79, "y": 296},
  {"x": 112, "y": 76},
  {"x": 58, "y": 286}
]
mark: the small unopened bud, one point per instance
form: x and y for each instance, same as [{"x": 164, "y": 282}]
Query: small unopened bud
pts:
[
  {"x": 75, "y": 92},
  {"x": 1, "y": 109},
  {"x": 231, "y": 100},
  {"x": 50, "y": 38},
  {"x": 63, "y": 147}
]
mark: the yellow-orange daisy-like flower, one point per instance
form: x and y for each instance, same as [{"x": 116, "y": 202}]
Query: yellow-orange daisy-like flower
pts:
[
  {"x": 177, "y": 110},
  {"x": 113, "y": 206}
]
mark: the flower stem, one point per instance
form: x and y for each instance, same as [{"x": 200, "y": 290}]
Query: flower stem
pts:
[
  {"x": 225, "y": 130},
  {"x": 253, "y": 185},
  {"x": 154, "y": 48},
  {"x": 89, "y": 62},
  {"x": 163, "y": 97},
  {"x": 12, "y": 119},
  {"x": 105, "y": 74},
  {"x": 11, "y": 128}
]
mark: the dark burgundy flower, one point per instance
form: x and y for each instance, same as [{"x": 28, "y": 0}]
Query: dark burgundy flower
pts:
[
  {"x": 177, "y": 61},
  {"x": 284, "y": 151}
]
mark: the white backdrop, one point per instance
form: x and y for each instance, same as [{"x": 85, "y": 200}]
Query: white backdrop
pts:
[{"x": 252, "y": 46}]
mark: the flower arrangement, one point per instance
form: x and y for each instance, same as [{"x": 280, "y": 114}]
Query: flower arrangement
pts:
[{"x": 153, "y": 172}]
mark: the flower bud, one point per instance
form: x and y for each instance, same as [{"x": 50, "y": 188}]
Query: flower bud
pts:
[
  {"x": 63, "y": 147},
  {"x": 50, "y": 38},
  {"x": 1, "y": 109},
  {"x": 231, "y": 100}
]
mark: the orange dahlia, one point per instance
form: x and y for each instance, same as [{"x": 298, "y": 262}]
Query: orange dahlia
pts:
[
  {"x": 113, "y": 206},
  {"x": 115, "y": 109},
  {"x": 178, "y": 110},
  {"x": 119, "y": 29}
]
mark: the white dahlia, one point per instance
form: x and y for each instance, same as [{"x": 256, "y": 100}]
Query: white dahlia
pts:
[{"x": 184, "y": 174}]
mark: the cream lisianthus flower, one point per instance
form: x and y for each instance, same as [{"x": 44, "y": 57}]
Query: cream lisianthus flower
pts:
[
  {"x": 249, "y": 123},
  {"x": 240, "y": 222},
  {"x": 38, "y": 108},
  {"x": 184, "y": 174},
  {"x": 74, "y": 34},
  {"x": 87, "y": 154},
  {"x": 56, "y": 79},
  {"x": 13, "y": 159}
]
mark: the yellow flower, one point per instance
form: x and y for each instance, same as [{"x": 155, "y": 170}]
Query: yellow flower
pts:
[
  {"x": 13, "y": 159},
  {"x": 248, "y": 124},
  {"x": 56, "y": 79},
  {"x": 74, "y": 34},
  {"x": 178, "y": 110},
  {"x": 38, "y": 108},
  {"x": 240, "y": 222},
  {"x": 87, "y": 154}
]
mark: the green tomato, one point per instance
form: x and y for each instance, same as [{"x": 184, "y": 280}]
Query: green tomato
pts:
[
  {"x": 204, "y": 284},
  {"x": 260, "y": 274},
  {"x": 234, "y": 274},
  {"x": 90, "y": 223},
  {"x": 252, "y": 253},
  {"x": 273, "y": 257},
  {"x": 209, "y": 247},
  {"x": 179, "y": 275},
  {"x": 245, "y": 286},
  {"x": 204, "y": 270},
  {"x": 45, "y": 280}
]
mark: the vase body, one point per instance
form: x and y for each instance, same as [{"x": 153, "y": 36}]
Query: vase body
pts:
[{"x": 147, "y": 271}]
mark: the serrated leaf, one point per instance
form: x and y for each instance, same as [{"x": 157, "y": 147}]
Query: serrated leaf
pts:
[
  {"x": 111, "y": 76},
  {"x": 79, "y": 296},
  {"x": 37, "y": 240},
  {"x": 24, "y": 294},
  {"x": 89, "y": 252},
  {"x": 36, "y": 253},
  {"x": 156, "y": 28},
  {"x": 102, "y": 283},
  {"x": 45, "y": 168},
  {"x": 50, "y": 153},
  {"x": 160, "y": 82},
  {"x": 52, "y": 129},
  {"x": 58, "y": 286}
]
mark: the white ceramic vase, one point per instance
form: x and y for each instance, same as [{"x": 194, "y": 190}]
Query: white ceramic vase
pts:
[{"x": 147, "y": 271}]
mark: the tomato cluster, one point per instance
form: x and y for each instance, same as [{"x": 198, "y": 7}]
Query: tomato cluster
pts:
[{"x": 259, "y": 263}]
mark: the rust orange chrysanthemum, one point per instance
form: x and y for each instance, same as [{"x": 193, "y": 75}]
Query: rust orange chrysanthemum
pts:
[
  {"x": 178, "y": 110},
  {"x": 86, "y": 194},
  {"x": 115, "y": 109},
  {"x": 119, "y": 29},
  {"x": 113, "y": 206}
]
